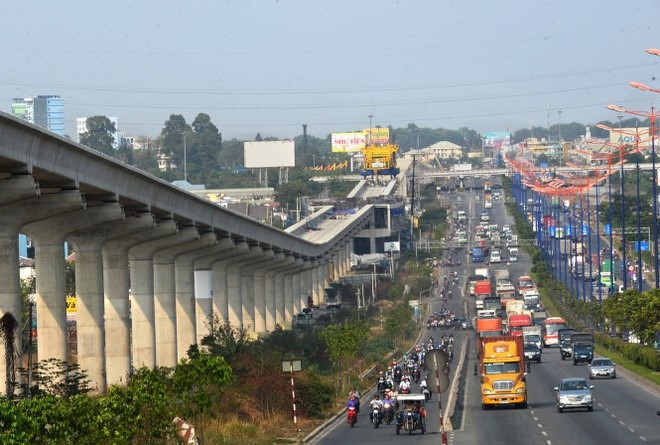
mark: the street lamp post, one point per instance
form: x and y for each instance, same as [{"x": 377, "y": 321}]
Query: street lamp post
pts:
[
  {"x": 185, "y": 157},
  {"x": 623, "y": 205},
  {"x": 654, "y": 174}
]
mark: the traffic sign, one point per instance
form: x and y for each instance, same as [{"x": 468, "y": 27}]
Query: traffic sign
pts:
[{"x": 608, "y": 229}]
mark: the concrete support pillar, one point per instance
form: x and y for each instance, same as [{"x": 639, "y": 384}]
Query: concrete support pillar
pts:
[
  {"x": 48, "y": 236},
  {"x": 288, "y": 298},
  {"x": 165, "y": 296},
  {"x": 186, "y": 332},
  {"x": 143, "y": 329},
  {"x": 296, "y": 291},
  {"x": 235, "y": 291},
  {"x": 280, "y": 263},
  {"x": 207, "y": 303},
  {"x": 221, "y": 285},
  {"x": 117, "y": 289},
  {"x": 259, "y": 294},
  {"x": 14, "y": 213},
  {"x": 252, "y": 281},
  {"x": 278, "y": 287},
  {"x": 320, "y": 281}
]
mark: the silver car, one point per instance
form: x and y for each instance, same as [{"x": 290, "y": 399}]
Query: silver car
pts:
[
  {"x": 602, "y": 367},
  {"x": 574, "y": 392}
]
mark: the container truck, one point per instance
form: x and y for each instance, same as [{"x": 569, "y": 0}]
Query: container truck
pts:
[
  {"x": 487, "y": 327},
  {"x": 502, "y": 367},
  {"x": 482, "y": 289}
]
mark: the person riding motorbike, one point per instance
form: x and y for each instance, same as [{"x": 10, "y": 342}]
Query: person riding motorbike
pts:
[
  {"x": 356, "y": 395},
  {"x": 375, "y": 403},
  {"x": 389, "y": 407},
  {"x": 404, "y": 386}
]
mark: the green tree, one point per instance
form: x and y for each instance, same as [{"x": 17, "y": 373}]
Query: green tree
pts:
[
  {"x": 100, "y": 135},
  {"x": 171, "y": 138},
  {"x": 203, "y": 148},
  {"x": 344, "y": 341}
]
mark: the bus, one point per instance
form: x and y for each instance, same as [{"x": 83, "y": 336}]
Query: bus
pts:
[{"x": 551, "y": 327}]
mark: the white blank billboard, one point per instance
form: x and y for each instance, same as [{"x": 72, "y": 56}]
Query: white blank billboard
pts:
[{"x": 269, "y": 154}]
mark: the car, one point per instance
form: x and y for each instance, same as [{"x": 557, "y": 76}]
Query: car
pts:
[
  {"x": 574, "y": 392},
  {"x": 532, "y": 352},
  {"x": 602, "y": 367},
  {"x": 495, "y": 256}
]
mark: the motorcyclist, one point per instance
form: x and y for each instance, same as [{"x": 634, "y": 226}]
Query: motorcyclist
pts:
[
  {"x": 404, "y": 386},
  {"x": 356, "y": 396},
  {"x": 352, "y": 403},
  {"x": 375, "y": 402}
]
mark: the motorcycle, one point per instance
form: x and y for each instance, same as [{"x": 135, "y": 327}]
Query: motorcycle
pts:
[
  {"x": 376, "y": 416},
  {"x": 352, "y": 416},
  {"x": 416, "y": 375}
]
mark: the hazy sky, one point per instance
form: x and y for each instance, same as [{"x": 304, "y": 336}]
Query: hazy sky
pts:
[{"x": 269, "y": 66}]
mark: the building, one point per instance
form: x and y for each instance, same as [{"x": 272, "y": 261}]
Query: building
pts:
[
  {"x": 23, "y": 108},
  {"x": 45, "y": 111},
  {"x": 81, "y": 127}
]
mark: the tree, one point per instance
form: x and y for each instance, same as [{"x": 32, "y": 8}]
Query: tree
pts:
[
  {"x": 100, "y": 135},
  {"x": 344, "y": 341},
  {"x": 203, "y": 148},
  {"x": 172, "y": 138}
]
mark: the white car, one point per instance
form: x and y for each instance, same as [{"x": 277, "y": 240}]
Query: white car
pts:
[{"x": 495, "y": 256}]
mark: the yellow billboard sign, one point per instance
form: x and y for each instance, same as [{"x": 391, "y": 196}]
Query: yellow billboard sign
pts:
[
  {"x": 71, "y": 309},
  {"x": 348, "y": 142},
  {"x": 379, "y": 135}
]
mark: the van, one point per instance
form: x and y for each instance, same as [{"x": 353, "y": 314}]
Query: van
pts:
[{"x": 495, "y": 256}]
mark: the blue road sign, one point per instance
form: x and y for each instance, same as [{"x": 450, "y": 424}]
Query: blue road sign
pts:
[
  {"x": 608, "y": 229},
  {"x": 585, "y": 230}
]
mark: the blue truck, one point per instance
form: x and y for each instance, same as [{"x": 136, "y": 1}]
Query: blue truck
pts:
[{"x": 477, "y": 255}]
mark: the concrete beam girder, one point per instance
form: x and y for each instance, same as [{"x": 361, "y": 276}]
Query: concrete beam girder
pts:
[
  {"x": 48, "y": 236},
  {"x": 145, "y": 284},
  {"x": 17, "y": 188},
  {"x": 90, "y": 326}
]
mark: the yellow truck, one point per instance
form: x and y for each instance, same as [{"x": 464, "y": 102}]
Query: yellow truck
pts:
[{"x": 503, "y": 372}]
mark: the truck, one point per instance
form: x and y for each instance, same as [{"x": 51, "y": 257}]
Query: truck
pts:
[
  {"x": 487, "y": 327},
  {"x": 504, "y": 289},
  {"x": 488, "y": 186},
  {"x": 502, "y": 370},
  {"x": 482, "y": 289},
  {"x": 583, "y": 347},
  {"x": 516, "y": 323},
  {"x": 480, "y": 273},
  {"x": 477, "y": 255},
  {"x": 532, "y": 300},
  {"x": 533, "y": 334},
  {"x": 488, "y": 201}
]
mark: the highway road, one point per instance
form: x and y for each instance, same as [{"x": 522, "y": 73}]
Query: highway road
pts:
[{"x": 624, "y": 411}]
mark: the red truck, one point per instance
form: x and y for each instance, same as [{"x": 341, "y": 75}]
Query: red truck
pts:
[
  {"x": 482, "y": 289},
  {"x": 517, "y": 322}
]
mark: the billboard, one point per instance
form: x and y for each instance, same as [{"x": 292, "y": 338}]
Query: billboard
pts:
[
  {"x": 627, "y": 136},
  {"x": 379, "y": 135},
  {"x": 500, "y": 140},
  {"x": 349, "y": 142},
  {"x": 269, "y": 154}
]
